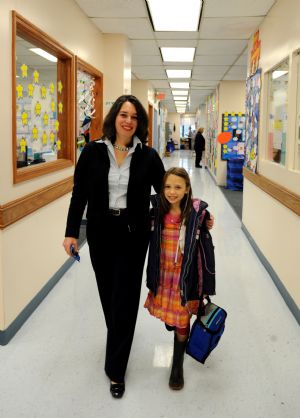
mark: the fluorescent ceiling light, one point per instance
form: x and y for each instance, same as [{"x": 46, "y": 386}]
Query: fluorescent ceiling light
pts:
[
  {"x": 175, "y": 15},
  {"x": 44, "y": 54},
  {"x": 180, "y": 98},
  {"x": 178, "y": 54},
  {"x": 175, "y": 85},
  {"x": 179, "y": 73},
  {"x": 180, "y": 92},
  {"x": 277, "y": 74}
]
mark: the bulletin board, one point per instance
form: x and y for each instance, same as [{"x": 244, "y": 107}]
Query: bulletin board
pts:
[
  {"x": 235, "y": 124},
  {"x": 253, "y": 87}
]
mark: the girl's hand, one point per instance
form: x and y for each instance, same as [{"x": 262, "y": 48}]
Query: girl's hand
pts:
[
  {"x": 210, "y": 222},
  {"x": 68, "y": 241}
]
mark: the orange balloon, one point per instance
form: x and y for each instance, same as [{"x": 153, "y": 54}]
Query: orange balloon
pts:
[{"x": 224, "y": 137}]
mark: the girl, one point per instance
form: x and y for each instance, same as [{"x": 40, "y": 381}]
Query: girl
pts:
[{"x": 176, "y": 271}]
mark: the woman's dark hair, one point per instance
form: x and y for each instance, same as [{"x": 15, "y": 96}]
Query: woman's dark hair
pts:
[
  {"x": 186, "y": 203},
  {"x": 109, "y": 129}
]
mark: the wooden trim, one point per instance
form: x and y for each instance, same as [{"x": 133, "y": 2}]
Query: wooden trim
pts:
[
  {"x": 284, "y": 196},
  {"x": 97, "y": 121},
  {"x": 17, "y": 209},
  {"x": 65, "y": 73}
]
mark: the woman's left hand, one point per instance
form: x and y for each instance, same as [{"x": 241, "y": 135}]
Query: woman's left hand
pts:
[{"x": 210, "y": 222}]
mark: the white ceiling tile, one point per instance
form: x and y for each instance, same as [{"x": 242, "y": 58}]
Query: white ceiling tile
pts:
[
  {"x": 203, "y": 83},
  {"x": 176, "y": 35},
  {"x": 229, "y": 28},
  {"x": 144, "y": 47},
  {"x": 228, "y": 8},
  {"x": 133, "y": 28},
  {"x": 243, "y": 60},
  {"x": 146, "y": 60},
  {"x": 161, "y": 84},
  {"x": 221, "y": 47},
  {"x": 154, "y": 70},
  {"x": 219, "y": 70},
  {"x": 238, "y": 70},
  {"x": 215, "y": 59},
  {"x": 233, "y": 77},
  {"x": 190, "y": 43},
  {"x": 113, "y": 8}
]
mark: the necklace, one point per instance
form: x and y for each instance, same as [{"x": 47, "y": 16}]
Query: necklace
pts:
[{"x": 118, "y": 147}]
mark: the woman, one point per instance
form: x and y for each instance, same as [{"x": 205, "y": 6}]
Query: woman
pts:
[
  {"x": 114, "y": 176},
  {"x": 199, "y": 146}
]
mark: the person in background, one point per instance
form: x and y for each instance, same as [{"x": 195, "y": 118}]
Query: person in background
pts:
[
  {"x": 113, "y": 177},
  {"x": 190, "y": 137},
  {"x": 199, "y": 146},
  {"x": 176, "y": 263}
]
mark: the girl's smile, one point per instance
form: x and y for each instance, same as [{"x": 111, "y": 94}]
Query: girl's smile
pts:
[{"x": 175, "y": 189}]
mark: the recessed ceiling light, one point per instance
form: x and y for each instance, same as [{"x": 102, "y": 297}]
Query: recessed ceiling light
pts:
[
  {"x": 179, "y": 73},
  {"x": 176, "y": 85},
  {"x": 178, "y": 54},
  {"x": 175, "y": 15},
  {"x": 180, "y": 98},
  {"x": 180, "y": 92}
]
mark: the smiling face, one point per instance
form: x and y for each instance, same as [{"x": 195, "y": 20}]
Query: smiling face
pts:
[
  {"x": 126, "y": 123},
  {"x": 175, "y": 189}
]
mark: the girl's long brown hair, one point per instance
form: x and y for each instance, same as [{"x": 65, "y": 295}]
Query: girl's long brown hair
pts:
[{"x": 186, "y": 203}]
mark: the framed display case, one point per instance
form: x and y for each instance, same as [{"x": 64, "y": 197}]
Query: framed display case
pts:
[
  {"x": 278, "y": 79},
  {"x": 43, "y": 102},
  {"x": 89, "y": 100}
]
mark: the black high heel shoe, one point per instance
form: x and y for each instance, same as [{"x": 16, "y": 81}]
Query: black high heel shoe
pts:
[{"x": 117, "y": 390}]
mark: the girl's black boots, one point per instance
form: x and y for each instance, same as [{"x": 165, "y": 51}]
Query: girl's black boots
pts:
[{"x": 176, "y": 380}]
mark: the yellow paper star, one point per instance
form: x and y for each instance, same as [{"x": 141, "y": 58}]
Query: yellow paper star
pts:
[
  {"x": 19, "y": 89},
  {"x": 36, "y": 76},
  {"x": 30, "y": 90},
  {"x": 52, "y": 136},
  {"x": 44, "y": 137},
  {"x": 24, "y": 69},
  {"x": 51, "y": 88},
  {"x": 52, "y": 106},
  {"x": 24, "y": 118},
  {"x": 58, "y": 144},
  {"x": 34, "y": 132},
  {"x": 59, "y": 86},
  {"x": 38, "y": 108},
  {"x": 23, "y": 144},
  {"x": 56, "y": 125},
  {"x": 43, "y": 92},
  {"x": 46, "y": 118},
  {"x": 60, "y": 107}
]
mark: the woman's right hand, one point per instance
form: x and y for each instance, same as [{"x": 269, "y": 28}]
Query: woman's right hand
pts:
[{"x": 68, "y": 241}]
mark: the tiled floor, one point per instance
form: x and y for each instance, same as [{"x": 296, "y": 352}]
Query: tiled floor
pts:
[{"x": 53, "y": 367}]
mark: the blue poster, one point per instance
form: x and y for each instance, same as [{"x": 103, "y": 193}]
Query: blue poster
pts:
[{"x": 235, "y": 124}]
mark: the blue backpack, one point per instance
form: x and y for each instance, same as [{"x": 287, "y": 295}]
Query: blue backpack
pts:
[{"x": 206, "y": 332}]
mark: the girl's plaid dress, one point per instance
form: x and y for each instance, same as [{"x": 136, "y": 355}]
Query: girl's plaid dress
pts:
[{"x": 166, "y": 305}]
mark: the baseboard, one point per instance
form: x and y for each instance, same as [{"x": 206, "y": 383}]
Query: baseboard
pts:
[
  {"x": 278, "y": 283},
  {"x": 7, "y": 334}
]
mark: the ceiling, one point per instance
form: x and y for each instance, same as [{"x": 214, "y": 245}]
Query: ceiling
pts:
[{"x": 221, "y": 42}]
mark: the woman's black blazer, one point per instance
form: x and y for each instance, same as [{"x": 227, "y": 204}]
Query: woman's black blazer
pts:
[{"x": 91, "y": 186}]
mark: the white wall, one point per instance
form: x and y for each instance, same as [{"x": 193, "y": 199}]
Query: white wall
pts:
[
  {"x": 31, "y": 249},
  {"x": 174, "y": 118},
  {"x": 231, "y": 99},
  {"x": 274, "y": 228},
  {"x": 117, "y": 56}
]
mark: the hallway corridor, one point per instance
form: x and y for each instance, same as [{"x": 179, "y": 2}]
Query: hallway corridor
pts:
[{"x": 53, "y": 367}]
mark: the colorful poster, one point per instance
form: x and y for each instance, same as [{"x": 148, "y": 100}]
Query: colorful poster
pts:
[
  {"x": 253, "y": 86},
  {"x": 233, "y": 123}
]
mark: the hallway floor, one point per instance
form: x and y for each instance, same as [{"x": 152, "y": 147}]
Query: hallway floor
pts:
[{"x": 53, "y": 367}]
